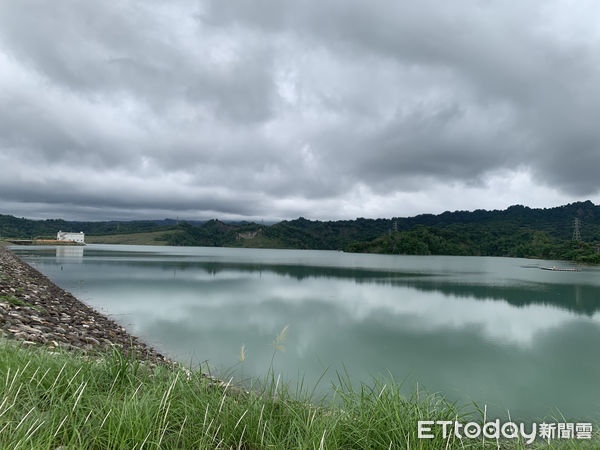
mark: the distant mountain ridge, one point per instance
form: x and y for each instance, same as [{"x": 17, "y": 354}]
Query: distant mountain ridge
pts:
[{"x": 515, "y": 231}]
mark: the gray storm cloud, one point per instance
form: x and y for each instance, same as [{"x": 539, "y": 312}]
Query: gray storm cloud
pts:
[{"x": 274, "y": 109}]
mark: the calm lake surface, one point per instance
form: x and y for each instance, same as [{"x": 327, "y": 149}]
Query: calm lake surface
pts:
[{"x": 497, "y": 331}]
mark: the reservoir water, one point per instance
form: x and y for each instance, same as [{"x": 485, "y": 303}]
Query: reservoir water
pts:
[{"x": 496, "y": 331}]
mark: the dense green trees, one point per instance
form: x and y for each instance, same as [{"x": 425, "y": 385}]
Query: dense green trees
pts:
[
  {"x": 517, "y": 231},
  {"x": 478, "y": 240},
  {"x": 14, "y": 227}
]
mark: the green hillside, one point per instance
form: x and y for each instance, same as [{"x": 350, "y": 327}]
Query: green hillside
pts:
[{"x": 517, "y": 231}]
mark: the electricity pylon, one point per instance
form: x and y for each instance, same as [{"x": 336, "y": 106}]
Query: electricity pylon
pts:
[{"x": 576, "y": 231}]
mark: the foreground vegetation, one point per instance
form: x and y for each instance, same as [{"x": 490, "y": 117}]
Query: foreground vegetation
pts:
[{"x": 52, "y": 400}]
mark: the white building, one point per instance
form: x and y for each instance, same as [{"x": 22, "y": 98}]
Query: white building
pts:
[{"x": 74, "y": 237}]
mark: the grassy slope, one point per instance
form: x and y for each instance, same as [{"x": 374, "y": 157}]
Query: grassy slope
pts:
[
  {"x": 49, "y": 400},
  {"x": 159, "y": 238},
  {"x": 152, "y": 238},
  {"x": 260, "y": 242}
]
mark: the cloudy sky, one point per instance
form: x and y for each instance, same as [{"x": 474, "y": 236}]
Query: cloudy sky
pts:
[{"x": 270, "y": 109}]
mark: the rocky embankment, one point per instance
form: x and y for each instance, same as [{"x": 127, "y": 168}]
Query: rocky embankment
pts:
[{"x": 36, "y": 311}]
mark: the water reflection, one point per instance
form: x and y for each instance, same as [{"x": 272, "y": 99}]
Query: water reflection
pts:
[
  {"x": 69, "y": 254},
  {"x": 484, "y": 329},
  {"x": 579, "y": 298}
]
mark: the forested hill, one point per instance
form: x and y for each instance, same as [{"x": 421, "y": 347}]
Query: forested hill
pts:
[
  {"x": 557, "y": 221},
  {"x": 14, "y": 227},
  {"x": 516, "y": 231}
]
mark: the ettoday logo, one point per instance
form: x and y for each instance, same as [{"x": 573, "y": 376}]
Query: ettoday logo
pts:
[{"x": 429, "y": 429}]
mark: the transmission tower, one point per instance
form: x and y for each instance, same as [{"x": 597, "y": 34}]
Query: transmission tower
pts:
[
  {"x": 576, "y": 232},
  {"x": 394, "y": 227}
]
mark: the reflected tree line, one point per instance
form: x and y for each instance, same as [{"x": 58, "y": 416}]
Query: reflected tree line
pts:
[{"x": 579, "y": 298}]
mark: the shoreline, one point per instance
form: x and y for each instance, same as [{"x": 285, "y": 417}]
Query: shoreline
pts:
[
  {"x": 162, "y": 244},
  {"x": 36, "y": 311}
]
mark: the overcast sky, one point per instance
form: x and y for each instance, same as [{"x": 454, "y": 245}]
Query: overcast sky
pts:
[{"x": 270, "y": 109}]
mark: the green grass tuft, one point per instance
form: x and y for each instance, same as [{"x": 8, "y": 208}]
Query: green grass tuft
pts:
[
  {"x": 68, "y": 400},
  {"x": 14, "y": 300},
  {"x": 18, "y": 302}
]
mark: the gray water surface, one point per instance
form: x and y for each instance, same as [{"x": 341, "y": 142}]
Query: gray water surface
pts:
[{"x": 496, "y": 331}]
